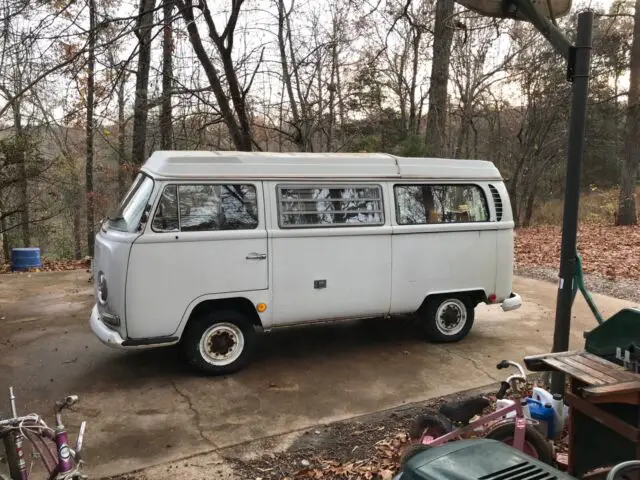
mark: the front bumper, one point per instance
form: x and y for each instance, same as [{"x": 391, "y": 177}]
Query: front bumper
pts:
[
  {"x": 514, "y": 302},
  {"x": 109, "y": 337}
]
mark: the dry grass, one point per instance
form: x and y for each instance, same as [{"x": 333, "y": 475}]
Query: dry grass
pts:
[{"x": 599, "y": 206}]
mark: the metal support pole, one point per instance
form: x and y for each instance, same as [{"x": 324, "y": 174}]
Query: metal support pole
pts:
[{"x": 578, "y": 70}]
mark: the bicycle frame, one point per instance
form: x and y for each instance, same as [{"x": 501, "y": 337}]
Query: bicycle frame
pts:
[
  {"x": 520, "y": 421},
  {"x": 520, "y": 424},
  {"x": 63, "y": 463}
]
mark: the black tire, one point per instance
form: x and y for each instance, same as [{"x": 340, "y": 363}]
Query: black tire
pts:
[
  {"x": 232, "y": 329},
  {"x": 434, "y": 423},
  {"x": 504, "y": 433},
  {"x": 411, "y": 451},
  {"x": 10, "y": 461},
  {"x": 442, "y": 310}
]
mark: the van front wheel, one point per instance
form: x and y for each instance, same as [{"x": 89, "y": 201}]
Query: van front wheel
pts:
[
  {"x": 219, "y": 343},
  {"x": 447, "y": 318}
]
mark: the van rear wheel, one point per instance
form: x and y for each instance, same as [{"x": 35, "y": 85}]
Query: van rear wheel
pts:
[
  {"x": 219, "y": 343},
  {"x": 447, "y": 318}
]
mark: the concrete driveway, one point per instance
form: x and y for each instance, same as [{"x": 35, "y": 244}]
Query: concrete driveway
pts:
[{"x": 144, "y": 408}]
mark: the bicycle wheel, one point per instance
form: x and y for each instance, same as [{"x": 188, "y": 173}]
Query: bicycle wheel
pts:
[
  {"x": 535, "y": 444},
  {"x": 9, "y": 462}
]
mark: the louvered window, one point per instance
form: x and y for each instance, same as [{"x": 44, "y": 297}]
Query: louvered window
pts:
[{"x": 497, "y": 201}]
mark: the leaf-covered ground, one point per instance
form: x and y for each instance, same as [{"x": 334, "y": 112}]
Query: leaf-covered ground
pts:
[
  {"x": 54, "y": 265},
  {"x": 365, "y": 449},
  {"x": 606, "y": 251}
]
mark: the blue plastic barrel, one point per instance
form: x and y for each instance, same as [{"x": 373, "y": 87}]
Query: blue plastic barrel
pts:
[{"x": 23, "y": 259}]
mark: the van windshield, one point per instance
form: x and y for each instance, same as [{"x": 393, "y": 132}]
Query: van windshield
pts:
[{"x": 128, "y": 216}]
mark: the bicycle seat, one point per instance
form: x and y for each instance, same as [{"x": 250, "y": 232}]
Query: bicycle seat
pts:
[{"x": 464, "y": 410}]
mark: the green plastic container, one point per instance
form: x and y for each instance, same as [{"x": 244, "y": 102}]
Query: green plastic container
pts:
[
  {"x": 477, "y": 459},
  {"x": 621, "y": 330}
]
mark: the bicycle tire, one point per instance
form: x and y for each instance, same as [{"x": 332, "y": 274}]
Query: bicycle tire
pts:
[
  {"x": 532, "y": 437},
  {"x": 46, "y": 448},
  {"x": 11, "y": 455}
]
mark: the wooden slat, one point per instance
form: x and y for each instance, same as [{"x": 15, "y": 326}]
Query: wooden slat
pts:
[
  {"x": 589, "y": 371},
  {"x": 560, "y": 365},
  {"x": 619, "y": 373},
  {"x": 536, "y": 363},
  {"x": 625, "y": 387},
  {"x": 604, "y": 418},
  {"x": 602, "y": 361}
]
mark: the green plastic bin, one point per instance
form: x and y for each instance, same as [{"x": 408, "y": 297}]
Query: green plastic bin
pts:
[{"x": 621, "y": 330}]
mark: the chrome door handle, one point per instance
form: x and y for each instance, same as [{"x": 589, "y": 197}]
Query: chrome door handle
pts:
[{"x": 257, "y": 256}]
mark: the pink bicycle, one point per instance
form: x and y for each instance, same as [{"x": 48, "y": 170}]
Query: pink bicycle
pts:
[
  {"x": 50, "y": 445},
  {"x": 517, "y": 430}
]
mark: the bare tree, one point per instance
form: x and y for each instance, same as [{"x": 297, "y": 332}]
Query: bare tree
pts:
[
  {"x": 143, "y": 31},
  {"x": 166, "y": 125},
  {"x": 235, "y": 113},
  {"x": 627, "y": 209},
  {"x": 438, "y": 97},
  {"x": 91, "y": 66}
]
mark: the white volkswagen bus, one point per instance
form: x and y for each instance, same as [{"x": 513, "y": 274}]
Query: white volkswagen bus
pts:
[{"x": 208, "y": 247}]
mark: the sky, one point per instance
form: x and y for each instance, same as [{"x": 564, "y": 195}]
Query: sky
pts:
[{"x": 257, "y": 32}]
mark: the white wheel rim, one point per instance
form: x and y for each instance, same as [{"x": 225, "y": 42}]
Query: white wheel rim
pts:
[
  {"x": 221, "y": 344},
  {"x": 451, "y": 316}
]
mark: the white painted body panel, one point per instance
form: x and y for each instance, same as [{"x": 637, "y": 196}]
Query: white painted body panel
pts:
[
  {"x": 157, "y": 279},
  {"x": 430, "y": 259},
  {"x": 111, "y": 256},
  {"x": 356, "y": 266},
  {"x": 168, "y": 271}
]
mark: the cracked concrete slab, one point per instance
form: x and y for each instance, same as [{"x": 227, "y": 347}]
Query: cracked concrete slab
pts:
[{"x": 147, "y": 408}]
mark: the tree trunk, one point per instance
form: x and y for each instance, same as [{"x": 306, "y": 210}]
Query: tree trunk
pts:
[
  {"x": 627, "y": 214},
  {"x": 299, "y": 137},
  {"x": 4, "y": 238},
  {"x": 166, "y": 126},
  {"x": 23, "y": 187},
  {"x": 123, "y": 174},
  {"x": 91, "y": 65},
  {"x": 332, "y": 93},
  {"x": 342, "y": 115},
  {"x": 238, "y": 130},
  {"x": 414, "y": 119},
  {"x": 77, "y": 228},
  {"x": 438, "y": 98},
  {"x": 141, "y": 108},
  {"x": 528, "y": 211}
]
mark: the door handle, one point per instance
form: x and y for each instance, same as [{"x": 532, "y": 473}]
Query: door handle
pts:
[{"x": 257, "y": 256}]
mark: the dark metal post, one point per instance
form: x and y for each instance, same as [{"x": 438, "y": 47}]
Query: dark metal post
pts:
[{"x": 578, "y": 70}]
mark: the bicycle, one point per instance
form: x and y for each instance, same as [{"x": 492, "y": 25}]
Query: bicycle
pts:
[
  {"x": 51, "y": 445},
  {"x": 517, "y": 431}
]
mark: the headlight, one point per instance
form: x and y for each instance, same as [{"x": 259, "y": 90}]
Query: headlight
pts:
[{"x": 103, "y": 291}]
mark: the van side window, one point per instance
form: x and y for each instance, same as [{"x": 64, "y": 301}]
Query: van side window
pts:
[
  {"x": 166, "y": 217},
  {"x": 329, "y": 206},
  {"x": 426, "y": 204},
  {"x": 209, "y": 207}
]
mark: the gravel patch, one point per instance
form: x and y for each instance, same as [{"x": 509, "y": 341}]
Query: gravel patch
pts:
[{"x": 624, "y": 288}]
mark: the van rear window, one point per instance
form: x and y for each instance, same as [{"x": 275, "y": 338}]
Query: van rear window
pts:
[
  {"x": 206, "y": 207},
  {"x": 428, "y": 203},
  {"x": 329, "y": 206}
]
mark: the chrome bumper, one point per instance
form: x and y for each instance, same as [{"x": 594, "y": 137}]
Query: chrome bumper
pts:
[
  {"x": 514, "y": 302},
  {"x": 106, "y": 335}
]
